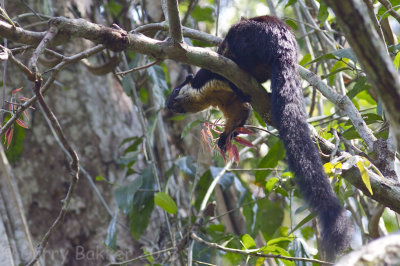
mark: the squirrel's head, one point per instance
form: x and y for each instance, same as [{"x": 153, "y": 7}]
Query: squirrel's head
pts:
[{"x": 180, "y": 96}]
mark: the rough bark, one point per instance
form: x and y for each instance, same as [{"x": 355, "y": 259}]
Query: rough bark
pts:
[{"x": 96, "y": 116}]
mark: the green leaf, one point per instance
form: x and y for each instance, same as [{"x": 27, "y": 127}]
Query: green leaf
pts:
[
  {"x": 248, "y": 242},
  {"x": 178, "y": 117},
  {"x": 126, "y": 140},
  {"x": 336, "y": 66},
  {"x": 282, "y": 191},
  {"x": 360, "y": 85},
  {"x": 323, "y": 12},
  {"x": 14, "y": 152},
  {"x": 144, "y": 95},
  {"x": 160, "y": 87},
  {"x": 202, "y": 187},
  {"x": 134, "y": 146},
  {"x": 382, "y": 12},
  {"x": 149, "y": 256},
  {"x": 303, "y": 222},
  {"x": 270, "y": 160},
  {"x": 111, "y": 237},
  {"x": 291, "y": 24},
  {"x": 322, "y": 57},
  {"x": 364, "y": 176},
  {"x": 164, "y": 201},
  {"x": 346, "y": 53},
  {"x": 189, "y": 126},
  {"x": 283, "y": 240},
  {"x": 271, "y": 183},
  {"x": 259, "y": 119},
  {"x": 203, "y": 13},
  {"x": 269, "y": 217},
  {"x": 396, "y": 61},
  {"x": 290, "y": 3},
  {"x": 143, "y": 204},
  {"x": 226, "y": 180},
  {"x": 351, "y": 133},
  {"x": 275, "y": 250},
  {"x": 186, "y": 165},
  {"x": 306, "y": 58},
  {"x": 115, "y": 8},
  {"x": 124, "y": 195}
]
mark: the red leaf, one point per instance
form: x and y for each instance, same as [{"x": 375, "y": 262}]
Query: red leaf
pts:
[
  {"x": 230, "y": 153},
  {"x": 216, "y": 121},
  {"x": 26, "y": 115},
  {"x": 229, "y": 148},
  {"x": 10, "y": 107},
  {"x": 205, "y": 141},
  {"x": 244, "y": 142},
  {"x": 244, "y": 130},
  {"x": 22, "y": 123},
  {"x": 235, "y": 154},
  {"x": 16, "y": 90},
  {"x": 216, "y": 131},
  {"x": 8, "y": 136},
  {"x": 223, "y": 155},
  {"x": 209, "y": 134},
  {"x": 22, "y": 98}
]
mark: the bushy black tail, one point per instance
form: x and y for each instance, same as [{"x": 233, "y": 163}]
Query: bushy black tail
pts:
[
  {"x": 303, "y": 157},
  {"x": 266, "y": 48}
]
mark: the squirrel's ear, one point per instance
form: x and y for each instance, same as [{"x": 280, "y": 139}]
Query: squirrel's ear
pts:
[{"x": 189, "y": 78}]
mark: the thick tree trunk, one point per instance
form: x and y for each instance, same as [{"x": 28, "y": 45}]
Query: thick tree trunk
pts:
[{"x": 96, "y": 116}]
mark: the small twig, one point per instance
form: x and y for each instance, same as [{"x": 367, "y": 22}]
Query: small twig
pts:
[
  {"x": 140, "y": 257},
  {"x": 50, "y": 34},
  {"x": 343, "y": 103},
  {"x": 390, "y": 9},
  {"x": 256, "y": 169},
  {"x": 5, "y": 15},
  {"x": 254, "y": 252},
  {"x": 138, "y": 68},
  {"x": 67, "y": 60},
  {"x": 3, "y": 93},
  {"x": 263, "y": 129},
  {"x": 33, "y": 11},
  {"x": 192, "y": 4},
  {"x": 337, "y": 143},
  {"x": 73, "y": 167}
]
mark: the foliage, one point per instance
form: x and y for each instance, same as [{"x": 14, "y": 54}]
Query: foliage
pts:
[
  {"x": 276, "y": 212},
  {"x": 259, "y": 208}
]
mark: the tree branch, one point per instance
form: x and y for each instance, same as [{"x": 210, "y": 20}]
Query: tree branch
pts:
[
  {"x": 175, "y": 27},
  {"x": 117, "y": 40},
  {"x": 390, "y": 9},
  {"x": 255, "y": 252},
  {"x": 343, "y": 103},
  {"x": 372, "y": 55},
  {"x": 187, "y": 32},
  {"x": 385, "y": 191}
]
